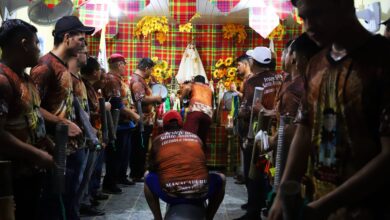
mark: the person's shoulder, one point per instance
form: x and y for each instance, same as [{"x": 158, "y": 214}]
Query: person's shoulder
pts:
[{"x": 376, "y": 50}]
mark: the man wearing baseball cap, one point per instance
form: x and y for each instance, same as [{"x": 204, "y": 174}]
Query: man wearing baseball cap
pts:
[
  {"x": 54, "y": 82},
  {"x": 387, "y": 30},
  {"x": 263, "y": 76},
  {"x": 177, "y": 170}
]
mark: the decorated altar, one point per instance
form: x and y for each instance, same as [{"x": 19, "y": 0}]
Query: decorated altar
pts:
[{"x": 219, "y": 30}]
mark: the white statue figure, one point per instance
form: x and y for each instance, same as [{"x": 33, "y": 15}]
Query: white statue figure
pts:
[{"x": 190, "y": 65}]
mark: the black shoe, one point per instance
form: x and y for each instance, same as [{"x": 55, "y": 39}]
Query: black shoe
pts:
[
  {"x": 126, "y": 182},
  {"x": 94, "y": 202},
  {"x": 100, "y": 196},
  {"x": 244, "y": 206},
  {"x": 112, "y": 189},
  {"x": 86, "y": 210}
]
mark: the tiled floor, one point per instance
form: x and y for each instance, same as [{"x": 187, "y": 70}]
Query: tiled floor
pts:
[{"x": 131, "y": 204}]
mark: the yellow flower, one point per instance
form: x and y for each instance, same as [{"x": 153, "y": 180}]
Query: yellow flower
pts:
[
  {"x": 164, "y": 65},
  {"x": 157, "y": 72},
  {"x": 219, "y": 63},
  {"x": 221, "y": 73},
  {"x": 228, "y": 61},
  {"x": 232, "y": 72},
  {"x": 154, "y": 59},
  {"x": 227, "y": 85},
  {"x": 215, "y": 74}
]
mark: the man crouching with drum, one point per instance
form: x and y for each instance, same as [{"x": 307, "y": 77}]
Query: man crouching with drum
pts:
[{"x": 177, "y": 170}]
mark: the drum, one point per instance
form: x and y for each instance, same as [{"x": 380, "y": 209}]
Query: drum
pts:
[{"x": 159, "y": 89}]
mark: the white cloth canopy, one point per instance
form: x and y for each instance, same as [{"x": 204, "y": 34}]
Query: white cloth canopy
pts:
[{"x": 190, "y": 65}]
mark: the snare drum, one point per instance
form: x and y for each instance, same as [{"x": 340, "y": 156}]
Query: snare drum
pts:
[{"x": 159, "y": 90}]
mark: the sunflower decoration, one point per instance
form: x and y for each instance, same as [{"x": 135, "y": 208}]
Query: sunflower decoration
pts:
[
  {"x": 152, "y": 24},
  {"x": 228, "y": 61},
  {"x": 234, "y": 30},
  {"x": 225, "y": 72},
  {"x": 161, "y": 72},
  {"x": 220, "y": 63},
  {"x": 231, "y": 72}
]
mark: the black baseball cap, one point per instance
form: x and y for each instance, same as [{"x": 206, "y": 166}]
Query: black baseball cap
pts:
[
  {"x": 387, "y": 22},
  {"x": 71, "y": 23}
]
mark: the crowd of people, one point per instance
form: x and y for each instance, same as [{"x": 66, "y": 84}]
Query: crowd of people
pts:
[{"x": 323, "y": 123}]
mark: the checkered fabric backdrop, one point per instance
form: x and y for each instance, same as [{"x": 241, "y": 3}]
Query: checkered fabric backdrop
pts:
[
  {"x": 217, "y": 152},
  {"x": 208, "y": 39},
  {"x": 182, "y": 10}
]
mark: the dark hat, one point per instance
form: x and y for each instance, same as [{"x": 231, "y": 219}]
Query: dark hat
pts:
[
  {"x": 71, "y": 23},
  {"x": 387, "y": 22},
  {"x": 116, "y": 57},
  {"x": 172, "y": 115}
]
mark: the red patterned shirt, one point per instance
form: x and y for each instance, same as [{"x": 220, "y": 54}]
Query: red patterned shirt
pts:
[
  {"x": 54, "y": 83},
  {"x": 19, "y": 107},
  {"x": 347, "y": 106},
  {"x": 180, "y": 162},
  {"x": 139, "y": 89}
]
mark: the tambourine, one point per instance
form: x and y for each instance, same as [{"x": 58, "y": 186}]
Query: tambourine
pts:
[{"x": 159, "y": 90}]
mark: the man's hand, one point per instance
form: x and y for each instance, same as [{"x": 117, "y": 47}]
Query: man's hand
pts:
[
  {"x": 43, "y": 159},
  {"x": 136, "y": 117},
  {"x": 276, "y": 212},
  {"x": 108, "y": 106},
  {"x": 73, "y": 129}
]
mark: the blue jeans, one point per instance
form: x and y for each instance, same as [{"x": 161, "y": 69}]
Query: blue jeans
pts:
[
  {"x": 152, "y": 181},
  {"x": 94, "y": 184}
]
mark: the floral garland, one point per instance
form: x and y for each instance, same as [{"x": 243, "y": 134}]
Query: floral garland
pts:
[
  {"x": 232, "y": 30},
  {"x": 161, "y": 71},
  {"x": 225, "y": 72},
  {"x": 152, "y": 24}
]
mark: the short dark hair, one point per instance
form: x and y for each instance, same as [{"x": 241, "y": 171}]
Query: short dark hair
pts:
[
  {"x": 145, "y": 63},
  {"x": 58, "y": 38},
  {"x": 200, "y": 79},
  {"x": 92, "y": 65},
  {"x": 13, "y": 30},
  {"x": 304, "y": 46},
  {"x": 243, "y": 58}
]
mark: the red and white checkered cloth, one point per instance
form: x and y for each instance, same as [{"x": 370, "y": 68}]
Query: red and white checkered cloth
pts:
[{"x": 131, "y": 8}]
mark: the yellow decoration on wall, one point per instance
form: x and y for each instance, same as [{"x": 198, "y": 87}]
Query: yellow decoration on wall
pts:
[
  {"x": 152, "y": 24},
  {"x": 161, "y": 71},
  {"x": 188, "y": 26},
  {"x": 225, "y": 72},
  {"x": 231, "y": 30},
  {"x": 278, "y": 33}
]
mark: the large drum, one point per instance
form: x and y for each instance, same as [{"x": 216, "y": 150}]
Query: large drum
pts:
[{"x": 159, "y": 89}]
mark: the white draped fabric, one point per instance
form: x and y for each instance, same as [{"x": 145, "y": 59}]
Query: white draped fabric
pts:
[{"x": 190, "y": 65}]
